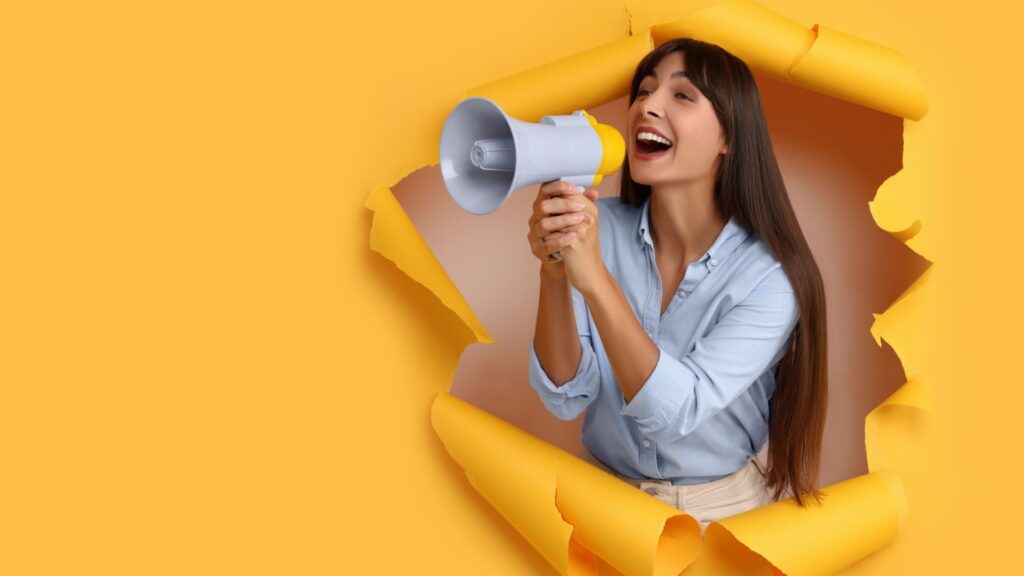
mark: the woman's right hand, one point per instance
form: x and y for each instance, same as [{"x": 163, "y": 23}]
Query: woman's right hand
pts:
[{"x": 557, "y": 211}]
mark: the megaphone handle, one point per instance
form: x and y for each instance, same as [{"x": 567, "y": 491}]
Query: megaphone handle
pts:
[{"x": 556, "y": 257}]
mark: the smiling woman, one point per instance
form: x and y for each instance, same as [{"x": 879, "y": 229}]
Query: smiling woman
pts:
[{"x": 700, "y": 311}]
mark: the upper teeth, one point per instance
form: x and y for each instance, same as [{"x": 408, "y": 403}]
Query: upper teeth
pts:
[{"x": 654, "y": 137}]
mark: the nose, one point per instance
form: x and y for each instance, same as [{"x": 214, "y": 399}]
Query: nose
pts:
[{"x": 648, "y": 109}]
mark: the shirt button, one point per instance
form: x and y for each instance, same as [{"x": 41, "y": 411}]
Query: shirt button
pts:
[
  {"x": 714, "y": 262},
  {"x": 647, "y": 443}
]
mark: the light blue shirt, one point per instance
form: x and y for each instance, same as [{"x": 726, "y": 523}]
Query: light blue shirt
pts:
[{"x": 703, "y": 412}]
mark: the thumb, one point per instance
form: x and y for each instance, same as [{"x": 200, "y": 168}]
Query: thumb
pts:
[{"x": 591, "y": 194}]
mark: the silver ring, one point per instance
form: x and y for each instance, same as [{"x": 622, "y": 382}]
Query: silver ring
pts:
[{"x": 555, "y": 257}]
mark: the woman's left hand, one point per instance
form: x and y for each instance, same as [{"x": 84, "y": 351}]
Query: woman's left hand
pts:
[{"x": 582, "y": 259}]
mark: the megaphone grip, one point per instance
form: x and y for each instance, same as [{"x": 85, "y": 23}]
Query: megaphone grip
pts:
[{"x": 556, "y": 257}]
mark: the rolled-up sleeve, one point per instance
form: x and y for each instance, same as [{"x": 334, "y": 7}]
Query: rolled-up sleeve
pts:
[
  {"x": 571, "y": 398},
  {"x": 682, "y": 393}
]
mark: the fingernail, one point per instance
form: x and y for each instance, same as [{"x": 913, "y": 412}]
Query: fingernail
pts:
[
  {"x": 577, "y": 217},
  {"x": 578, "y": 205}
]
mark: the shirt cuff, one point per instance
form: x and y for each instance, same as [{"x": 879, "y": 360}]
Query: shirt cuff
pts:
[
  {"x": 666, "y": 393},
  {"x": 583, "y": 383}
]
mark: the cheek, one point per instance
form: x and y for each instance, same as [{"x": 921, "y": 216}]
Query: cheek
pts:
[{"x": 706, "y": 136}]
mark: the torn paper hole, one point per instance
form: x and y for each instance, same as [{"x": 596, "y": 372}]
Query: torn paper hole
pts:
[{"x": 885, "y": 503}]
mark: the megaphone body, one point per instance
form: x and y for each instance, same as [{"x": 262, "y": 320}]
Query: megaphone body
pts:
[{"x": 486, "y": 154}]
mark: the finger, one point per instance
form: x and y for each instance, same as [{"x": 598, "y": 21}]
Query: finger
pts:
[
  {"x": 561, "y": 205},
  {"x": 591, "y": 194},
  {"x": 560, "y": 188},
  {"x": 575, "y": 228},
  {"x": 545, "y": 244},
  {"x": 554, "y": 243},
  {"x": 561, "y": 242},
  {"x": 550, "y": 224}
]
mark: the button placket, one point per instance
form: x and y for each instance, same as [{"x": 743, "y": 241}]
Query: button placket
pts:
[{"x": 653, "y": 308}]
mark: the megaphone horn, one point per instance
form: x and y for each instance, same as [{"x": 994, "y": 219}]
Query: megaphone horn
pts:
[{"x": 486, "y": 154}]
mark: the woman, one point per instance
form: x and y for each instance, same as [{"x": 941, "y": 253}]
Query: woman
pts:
[{"x": 687, "y": 316}]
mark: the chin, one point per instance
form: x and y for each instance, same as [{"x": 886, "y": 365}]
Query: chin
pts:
[{"x": 644, "y": 177}]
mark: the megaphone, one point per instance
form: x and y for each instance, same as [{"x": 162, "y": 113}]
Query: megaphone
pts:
[{"x": 486, "y": 154}]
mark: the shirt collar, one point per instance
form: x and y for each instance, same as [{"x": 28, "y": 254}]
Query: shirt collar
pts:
[{"x": 731, "y": 236}]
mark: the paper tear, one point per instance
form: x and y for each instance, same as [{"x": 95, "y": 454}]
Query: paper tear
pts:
[
  {"x": 886, "y": 322},
  {"x": 859, "y": 71},
  {"x": 908, "y": 233},
  {"x": 578, "y": 82},
  {"x": 531, "y": 482},
  {"x": 819, "y": 59},
  {"x": 393, "y": 236},
  {"x": 888, "y": 219},
  {"x": 862, "y": 514},
  {"x": 879, "y": 427},
  {"x": 857, "y": 517}
]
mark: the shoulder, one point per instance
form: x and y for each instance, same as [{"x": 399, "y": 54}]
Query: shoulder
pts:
[
  {"x": 763, "y": 270},
  {"x": 771, "y": 292}
]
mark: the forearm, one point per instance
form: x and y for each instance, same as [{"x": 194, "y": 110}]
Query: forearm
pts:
[
  {"x": 631, "y": 352},
  {"x": 555, "y": 337}
]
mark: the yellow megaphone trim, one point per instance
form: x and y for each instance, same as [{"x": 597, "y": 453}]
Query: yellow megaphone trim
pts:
[{"x": 613, "y": 148}]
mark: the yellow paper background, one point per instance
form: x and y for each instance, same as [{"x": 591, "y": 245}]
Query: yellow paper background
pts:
[{"x": 205, "y": 370}]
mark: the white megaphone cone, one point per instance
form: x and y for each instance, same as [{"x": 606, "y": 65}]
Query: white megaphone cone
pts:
[{"x": 486, "y": 155}]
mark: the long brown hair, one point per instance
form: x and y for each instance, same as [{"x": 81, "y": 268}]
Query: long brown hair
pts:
[{"x": 749, "y": 186}]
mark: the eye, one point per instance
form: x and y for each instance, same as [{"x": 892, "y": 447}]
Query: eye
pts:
[{"x": 642, "y": 92}]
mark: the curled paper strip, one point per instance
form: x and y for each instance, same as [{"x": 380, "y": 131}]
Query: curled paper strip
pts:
[
  {"x": 574, "y": 513},
  {"x": 819, "y": 58},
  {"x": 579, "y": 81},
  {"x": 571, "y": 511},
  {"x": 547, "y": 494}
]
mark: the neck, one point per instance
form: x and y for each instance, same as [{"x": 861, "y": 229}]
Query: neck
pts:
[{"x": 684, "y": 220}]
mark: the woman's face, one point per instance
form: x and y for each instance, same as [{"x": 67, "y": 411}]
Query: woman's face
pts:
[{"x": 672, "y": 106}]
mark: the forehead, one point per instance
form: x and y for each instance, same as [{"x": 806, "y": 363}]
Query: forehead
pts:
[{"x": 671, "y": 67}]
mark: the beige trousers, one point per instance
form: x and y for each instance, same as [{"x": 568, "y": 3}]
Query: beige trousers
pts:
[{"x": 710, "y": 501}]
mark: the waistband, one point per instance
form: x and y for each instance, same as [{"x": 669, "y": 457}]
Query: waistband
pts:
[{"x": 758, "y": 462}]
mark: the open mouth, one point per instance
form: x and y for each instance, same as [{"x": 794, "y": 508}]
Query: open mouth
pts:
[{"x": 647, "y": 145}]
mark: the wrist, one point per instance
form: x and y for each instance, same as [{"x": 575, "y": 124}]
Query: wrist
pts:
[
  {"x": 603, "y": 285},
  {"x": 550, "y": 272}
]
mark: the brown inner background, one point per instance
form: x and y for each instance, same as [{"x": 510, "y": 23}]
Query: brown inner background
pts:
[{"x": 833, "y": 156}]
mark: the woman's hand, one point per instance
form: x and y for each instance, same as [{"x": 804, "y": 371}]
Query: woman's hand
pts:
[
  {"x": 565, "y": 221},
  {"x": 557, "y": 212},
  {"x": 582, "y": 257}
]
